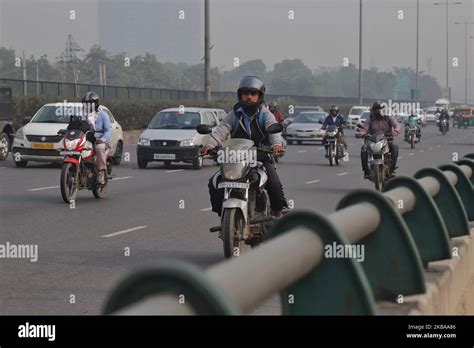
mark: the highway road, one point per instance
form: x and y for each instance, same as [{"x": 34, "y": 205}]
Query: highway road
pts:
[{"x": 83, "y": 251}]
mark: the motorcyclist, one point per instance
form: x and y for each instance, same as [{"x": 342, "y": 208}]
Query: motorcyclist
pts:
[
  {"x": 273, "y": 106},
  {"x": 249, "y": 119},
  {"x": 411, "y": 122},
  {"x": 99, "y": 121},
  {"x": 334, "y": 118},
  {"x": 378, "y": 123},
  {"x": 443, "y": 115}
]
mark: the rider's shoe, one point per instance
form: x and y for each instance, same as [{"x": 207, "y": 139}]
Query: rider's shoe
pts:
[
  {"x": 367, "y": 175},
  {"x": 101, "y": 178}
]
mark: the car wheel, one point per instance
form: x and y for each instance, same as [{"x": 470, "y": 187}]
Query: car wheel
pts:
[
  {"x": 142, "y": 163},
  {"x": 117, "y": 159},
  {"x": 4, "y": 146},
  {"x": 197, "y": 162}
]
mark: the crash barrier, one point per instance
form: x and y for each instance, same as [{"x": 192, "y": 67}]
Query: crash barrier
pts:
[{"x": 414, "y": 224}]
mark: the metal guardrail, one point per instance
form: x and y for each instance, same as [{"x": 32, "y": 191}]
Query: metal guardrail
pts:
[
  {"x": 71, "y": 90},
  {"x": 410, "y": 225}
]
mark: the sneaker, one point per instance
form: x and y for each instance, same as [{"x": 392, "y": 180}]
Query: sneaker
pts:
[{"x": 101, "y": 178}]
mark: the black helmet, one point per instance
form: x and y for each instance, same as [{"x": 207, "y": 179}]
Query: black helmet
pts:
[
  {"x": 91, "y": 97},
  {"x": 253, "y": 84},
  {"x": 334, "y": 108},
  {"x": 377, "y": 106}
]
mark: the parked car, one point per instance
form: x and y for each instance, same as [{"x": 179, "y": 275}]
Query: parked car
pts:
[
  {"x": 38, "y": 139},
  {"x": 171, "y": 137},
  {"x": 6, "y": 121},
  {"x": 306, "y": 127},
  {"x": 353, "y": 118},
  {"x": 431, "y": 114}
]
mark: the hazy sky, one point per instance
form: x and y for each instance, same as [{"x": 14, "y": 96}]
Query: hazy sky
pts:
[{"x": 322, "y": 33}]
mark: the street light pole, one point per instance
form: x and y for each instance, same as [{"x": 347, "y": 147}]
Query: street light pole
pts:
[
  {"x": 360, "y": 52},
  {"x": 465, "y": 55},
  {"x": 207, "y": 52},
  {"x": 417, "y": 47},
  {"x": 447, "y": 3}
]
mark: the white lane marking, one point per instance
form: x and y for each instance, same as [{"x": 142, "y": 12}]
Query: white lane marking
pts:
[
  {"x": 43, "y": 188},
  {"x": 422, "y": 150},
  {"x": 123, "y": 177},
  {"x": 301, "y": 151},
  {"x": 345, "y": 173},
  {"x": 207, "y": 209},
  {"x": 312, "y": 182},
  {"x": 400, "y": 157},
  {"x": 174, "y": 171},
  {"x": 430, "y": 148},
  {"x": 438, "y": 145},
  {"x": 124, "y": 231},
  {"x": 411, "y": 154}
]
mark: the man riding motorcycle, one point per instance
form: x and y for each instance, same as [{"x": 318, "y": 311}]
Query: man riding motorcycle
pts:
[
  {"x": 249, "y": 120},
  {"x": 334, "y": 118},
  {"x": 99, "y": 121},
  {"x": 378, "y": 123},
  {"x": 444, "y": 115},
  {"x": 273, "y": 106},
  {"x": 412, "y": 121}
]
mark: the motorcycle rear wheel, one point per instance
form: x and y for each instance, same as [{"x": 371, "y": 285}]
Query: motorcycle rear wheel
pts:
[
  {"x": 232, "y": 222},
  {"x": 99, "y": 191}
]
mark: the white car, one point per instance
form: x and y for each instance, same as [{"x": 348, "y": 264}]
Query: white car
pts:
[
  {"x": 171, "y": 136},
  {"x": 353, "y": 118},
  {"x": 38, "y": 140},
  {"x": 306, "y": 127},
  {"x": 431, "y": 114},
  {"x": 220, "y": 114}
]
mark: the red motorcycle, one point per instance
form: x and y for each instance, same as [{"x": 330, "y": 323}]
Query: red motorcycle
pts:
[{"x": 79, "y": 169}]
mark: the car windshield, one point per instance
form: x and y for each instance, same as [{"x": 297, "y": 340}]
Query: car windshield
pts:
[
  {"x": 357, "y": 111},
  {"x": 299, "y": 110},
  {"x": 308, "y": 117},
  {"x": 364, "y": 115},
  {"x": 56, "y": 114},
  {"x": 175, "y": 120}
]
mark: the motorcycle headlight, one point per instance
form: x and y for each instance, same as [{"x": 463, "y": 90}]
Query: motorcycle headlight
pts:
[
  {"x": 376, "y": 147},
  {"x": 71, "y": 144},
  {"x": 331, "y": 134},
  {"x": 20, "y": 134},
  {"x": 144, "y": 142},
  {"x": 187, "y": 142}
]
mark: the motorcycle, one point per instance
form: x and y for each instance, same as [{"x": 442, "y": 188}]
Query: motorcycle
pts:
[
  {"x": 335, "y": 147},
  {"x": 246, "y": 215},
  {"x": 79, "y": 170},
  {"x": 412, "y": 136},
  {"x": 443, "y": 126},
  {"x": 379, "y": 158}
]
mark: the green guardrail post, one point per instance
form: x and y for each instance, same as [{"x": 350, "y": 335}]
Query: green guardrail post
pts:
[
  {"x": 392, "y": 261},
  {"x": 470, "y": 163},
  {"x": 172, "y": 277},
  {"x": 337, "y": 286},
  {"x": 464, "y": 189},
  {"x": 470, "y": 156},
  {"x": 448, "y": 202},
  {"x": 424, "y": 221}
]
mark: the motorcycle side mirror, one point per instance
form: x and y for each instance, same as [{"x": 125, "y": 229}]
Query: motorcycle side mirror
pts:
[
  {"x": 320, "y": 121},
  {"x": 204, "y": 129},
  {"x": 26, "y": 119},
  {"x": 275, "y": 128}
]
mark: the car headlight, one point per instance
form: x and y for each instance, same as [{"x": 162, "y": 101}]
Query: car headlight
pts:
[
  {"x": 290, "y": 131},
  {"x": 144, "y": 142},
  {"x": 19, "y": 134},
  {"x": 187, "y": 142}
]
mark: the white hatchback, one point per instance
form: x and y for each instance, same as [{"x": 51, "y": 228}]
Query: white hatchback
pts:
[
  {"x": 353, "y": 117},
  {"x": 38, "y": 140}
]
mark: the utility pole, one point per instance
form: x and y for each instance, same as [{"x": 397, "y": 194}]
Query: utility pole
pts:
[
  {"x": 37, "y": 79},
  {"x": 417, "y": 47},
  {"x": 25, "y": 85},
  {"x": 465, "y": 56},
  {"x": 360, "y": 52},
  {"x": 207, "y": 52},
  {"x": 447, "y": 3},
  {"x": 69, "y": 56}
]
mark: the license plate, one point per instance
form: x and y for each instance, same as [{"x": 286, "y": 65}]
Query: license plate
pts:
[
  {"x": 240, "y": 185},
  {"x": 42, "y": 146},
  {"x": 304, "y": 135},
  {"x": 164, "y": 156},
  {"x": 69, "y": 153}
]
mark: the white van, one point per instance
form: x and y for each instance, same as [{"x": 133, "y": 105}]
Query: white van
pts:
[{"x": 171, "y": 136}]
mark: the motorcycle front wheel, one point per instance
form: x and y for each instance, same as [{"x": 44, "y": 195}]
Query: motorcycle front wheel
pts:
[
  {"x": 68, "y": 182},
  {"x": 332, "y": 154},
  {"x": 412, "y": 141},
  {"x": 99, "y": 191},
  {"x": 233, "y": 225},
  {"x": 377, "y": 173}
]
